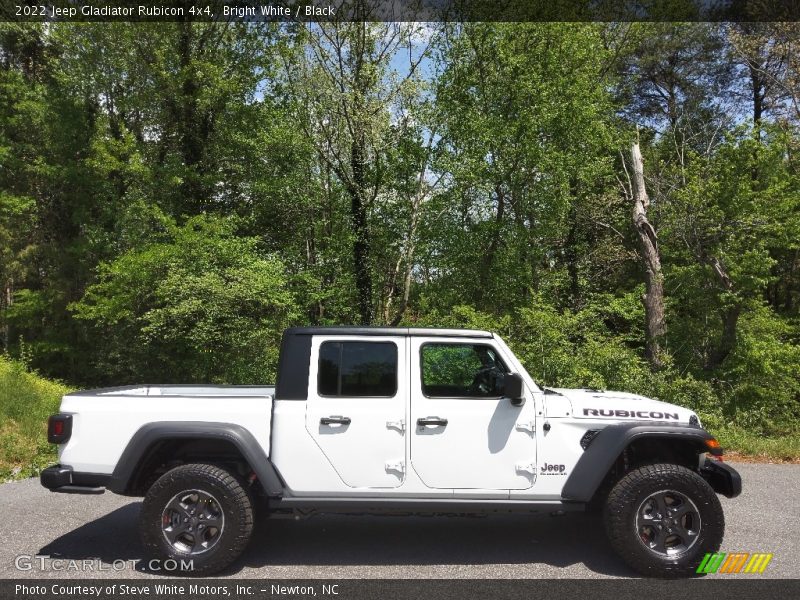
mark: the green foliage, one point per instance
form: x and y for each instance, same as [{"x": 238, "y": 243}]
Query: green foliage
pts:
[
  {"x": 26, "y": 400},
  {"x": 526, "y": 140},
  {"x": 205, "y": 305},
  {"x": 760, "y": 382},
  {"x": 584, "y": 350},
  {"x": 172, "y": 195}
]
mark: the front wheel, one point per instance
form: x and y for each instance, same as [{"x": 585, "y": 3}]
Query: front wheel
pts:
[
  {"x": 197, "y": 515},
  {"x": 662, "y": 519}
]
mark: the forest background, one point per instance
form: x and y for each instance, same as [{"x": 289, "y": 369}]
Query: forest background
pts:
[{"x": 174, "y": 195}]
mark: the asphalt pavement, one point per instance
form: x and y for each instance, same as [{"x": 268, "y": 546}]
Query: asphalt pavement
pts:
[{"x": 71, "y": 529}]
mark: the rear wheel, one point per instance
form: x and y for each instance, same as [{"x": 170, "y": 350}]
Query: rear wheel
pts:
[
  {"x": 196, "y": 514},
  {"x": 662, "y": 519}
]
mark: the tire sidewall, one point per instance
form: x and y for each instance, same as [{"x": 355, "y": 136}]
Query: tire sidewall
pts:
[
  {"x": 162, "y": 491},
  {"x": 621, "y": 519}
]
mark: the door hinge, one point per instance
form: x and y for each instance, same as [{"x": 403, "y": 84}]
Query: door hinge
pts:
[
  {"x": 399, "y": 425},
  {"x": 526, "y": 468},
  {"x": 396, "y": 466},
  {"x": 529, "y": 426}
]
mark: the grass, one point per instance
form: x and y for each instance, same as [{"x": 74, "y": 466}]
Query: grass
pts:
[
  {"x": 741, "y": 444},
  {"x": 26, "y": 400}
]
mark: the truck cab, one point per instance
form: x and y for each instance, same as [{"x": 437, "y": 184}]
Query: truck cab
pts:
[{"x": 409, "y": 412}]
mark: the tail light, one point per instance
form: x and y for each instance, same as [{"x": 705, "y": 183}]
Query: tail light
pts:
[{"x": 59, "y": 428}]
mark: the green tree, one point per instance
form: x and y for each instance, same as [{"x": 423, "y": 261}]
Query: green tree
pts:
[
  {"x": 728, "y": 221},
  {"x": 348, "y": 87},
  {"x": 203, "y": 306},
  {"x": 525, "y": 147}
]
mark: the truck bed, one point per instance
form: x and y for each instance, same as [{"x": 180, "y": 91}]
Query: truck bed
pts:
[{"x": 104, "y": 420}]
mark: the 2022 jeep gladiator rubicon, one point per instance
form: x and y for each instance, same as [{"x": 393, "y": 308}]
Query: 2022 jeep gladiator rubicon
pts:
[{"x": 394, "y": 420}]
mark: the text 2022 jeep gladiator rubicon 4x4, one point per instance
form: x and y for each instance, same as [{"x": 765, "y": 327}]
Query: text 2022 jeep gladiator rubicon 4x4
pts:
[{"x": 388, "y": 420}]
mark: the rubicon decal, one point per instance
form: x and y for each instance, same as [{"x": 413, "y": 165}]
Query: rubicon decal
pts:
[
  {"x": 734, "y": 562},
  {"x": 629, "y": 414}
]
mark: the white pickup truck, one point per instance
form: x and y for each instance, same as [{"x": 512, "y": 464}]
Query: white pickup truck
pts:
[{"x": 394, "y": 420}]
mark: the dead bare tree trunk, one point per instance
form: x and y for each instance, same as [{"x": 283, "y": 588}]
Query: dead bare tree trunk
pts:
[{"x": 653, "y": 298}]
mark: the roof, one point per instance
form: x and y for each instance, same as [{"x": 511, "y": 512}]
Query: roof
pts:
[{"x": 404, "y": 331}]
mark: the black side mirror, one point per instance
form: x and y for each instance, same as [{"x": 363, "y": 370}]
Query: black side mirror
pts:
[{"x": 514, "y": 389}]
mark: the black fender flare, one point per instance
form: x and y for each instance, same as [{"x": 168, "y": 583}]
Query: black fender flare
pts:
[
  {"x": 609, "y": 443},
  {"x": 152, "y": 433}
]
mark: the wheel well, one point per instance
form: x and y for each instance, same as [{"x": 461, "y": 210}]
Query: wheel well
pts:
[
  {"x": 166, "y": 454},
  {"x": 648, "y": 451}
]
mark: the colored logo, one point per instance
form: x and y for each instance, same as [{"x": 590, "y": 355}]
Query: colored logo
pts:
[{"x": 734, "y": 562}]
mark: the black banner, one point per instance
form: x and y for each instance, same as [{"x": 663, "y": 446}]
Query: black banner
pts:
[
  {"x": 380, "y": 589},
  {"x": 250, "y": 11}
]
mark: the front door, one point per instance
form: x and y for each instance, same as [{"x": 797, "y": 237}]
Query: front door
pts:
[
  {"x": 465, "y": 433},
  {"x": 356, "y": 408}
]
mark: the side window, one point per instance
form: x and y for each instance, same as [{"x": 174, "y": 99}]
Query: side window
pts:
[
  {"x": 461, "y": 371},
  {"x": 357, "y": 369}
]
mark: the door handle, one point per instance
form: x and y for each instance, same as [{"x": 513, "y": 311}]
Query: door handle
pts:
[
  {"x": 335, "y": 420},
  {"x": 439, "y": 422}
]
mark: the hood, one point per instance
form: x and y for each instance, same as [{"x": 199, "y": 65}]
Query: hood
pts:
[{"x": 621, "y": 406}]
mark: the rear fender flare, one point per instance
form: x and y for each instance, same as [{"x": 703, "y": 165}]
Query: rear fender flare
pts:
[{"x": 152, "y": 433}]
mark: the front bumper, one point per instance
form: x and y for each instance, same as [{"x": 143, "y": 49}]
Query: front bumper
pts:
[
  {"x": 723, "y": 478},
  {"x": 63, "y": 479}
]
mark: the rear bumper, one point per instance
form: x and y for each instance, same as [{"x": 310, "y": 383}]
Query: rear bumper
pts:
[
  {"x": 723, "y": 478},
  {"x": 64, "y": 480}
]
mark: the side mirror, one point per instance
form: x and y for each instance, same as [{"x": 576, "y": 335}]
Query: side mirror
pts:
[{"x": 514, "y": 389}]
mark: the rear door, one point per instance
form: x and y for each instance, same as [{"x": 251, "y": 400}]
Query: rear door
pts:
[
  {"x": 356, "y": 407},
  {"x": 464, "y": 433}
]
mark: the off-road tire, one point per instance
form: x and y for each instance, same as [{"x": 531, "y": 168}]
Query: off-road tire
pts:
[
  {"x": 630, "y": 494},
  {"x": 230, "y": 496}
]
